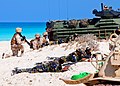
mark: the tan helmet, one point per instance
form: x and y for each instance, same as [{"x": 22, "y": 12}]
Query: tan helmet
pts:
[
  {"x": 45, "y": 34},
  {"x": 19, "y": 30},
  {"x": 37, "y": 35}
]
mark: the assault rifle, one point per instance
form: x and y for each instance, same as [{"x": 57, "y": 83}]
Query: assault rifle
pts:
[{"x": 24, "y": 39}]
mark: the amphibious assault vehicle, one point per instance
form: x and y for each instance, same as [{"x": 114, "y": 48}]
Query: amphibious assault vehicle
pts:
[{"x": 106, "y": 22}]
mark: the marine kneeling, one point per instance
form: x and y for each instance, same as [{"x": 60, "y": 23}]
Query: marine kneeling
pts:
[
  {"x": 45, "y": 40},
  {"x": 35, "y": 44},
  {"x": 16, "y": 43}
]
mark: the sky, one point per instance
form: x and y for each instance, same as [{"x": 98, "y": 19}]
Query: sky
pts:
[{"x": 45, "y": 10}]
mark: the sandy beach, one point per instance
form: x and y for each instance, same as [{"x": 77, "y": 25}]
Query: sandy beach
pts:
[
  {"x": 29, "y": 59},
  {"x": 45, "y": 43}
]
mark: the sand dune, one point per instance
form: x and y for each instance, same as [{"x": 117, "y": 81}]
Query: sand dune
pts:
[{"x": 29, "y": 59}]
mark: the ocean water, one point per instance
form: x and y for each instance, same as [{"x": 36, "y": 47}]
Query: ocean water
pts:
[{"x": 29, "y": 29}]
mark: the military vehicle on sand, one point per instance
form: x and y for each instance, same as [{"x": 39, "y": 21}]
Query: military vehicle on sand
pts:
[{"x": 106, "y": 22}]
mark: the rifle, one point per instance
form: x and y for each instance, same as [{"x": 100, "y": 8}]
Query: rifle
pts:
[{"x": 24, "y": 39}]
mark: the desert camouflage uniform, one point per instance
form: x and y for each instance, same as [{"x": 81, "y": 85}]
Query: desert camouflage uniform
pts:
[
  {"x": 36, "y": 44},
  {"x": 16, "y": 44}
]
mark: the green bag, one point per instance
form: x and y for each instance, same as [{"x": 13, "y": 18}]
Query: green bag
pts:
[{"x": 80, "y": 76}]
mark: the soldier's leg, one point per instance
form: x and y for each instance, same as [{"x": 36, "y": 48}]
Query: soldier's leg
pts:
[
  {"x": 16, "y": 52},
  {"x": 13, "y": 52},
  {"x": 13, "y": 48},
  {"x": 22, "y": 50}
]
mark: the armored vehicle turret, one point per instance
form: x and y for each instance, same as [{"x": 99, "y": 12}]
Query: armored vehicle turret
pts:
[{"x": 106, "y": 12}]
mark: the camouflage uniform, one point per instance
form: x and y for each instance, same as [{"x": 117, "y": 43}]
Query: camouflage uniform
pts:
[
  {"x": 45, "y": 40},
  {"x": 46, "y": 66},
  {"x": 16, "y": 44},
  {"x": 35, "y": 44}
]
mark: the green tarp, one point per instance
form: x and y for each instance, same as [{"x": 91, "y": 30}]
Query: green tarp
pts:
[{"x": 80, "y": 76}]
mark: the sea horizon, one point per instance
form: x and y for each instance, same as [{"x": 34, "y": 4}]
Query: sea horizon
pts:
[{"x": 29, "y": 29}]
